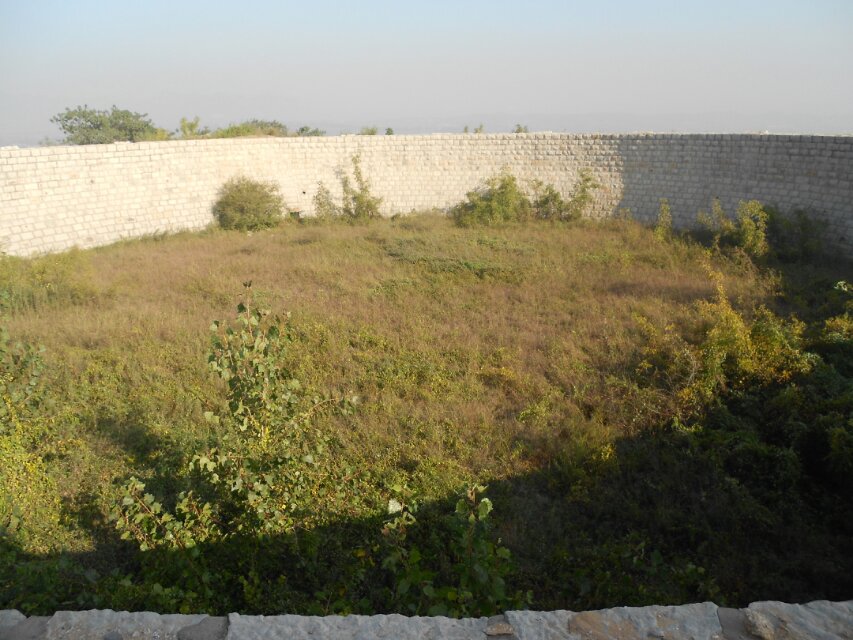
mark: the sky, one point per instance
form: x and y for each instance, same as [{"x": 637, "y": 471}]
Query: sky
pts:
[{"x": 598, "y": 65}]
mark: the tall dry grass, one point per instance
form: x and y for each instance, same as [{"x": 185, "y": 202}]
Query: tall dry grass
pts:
[{"x": 476, "y": 352}]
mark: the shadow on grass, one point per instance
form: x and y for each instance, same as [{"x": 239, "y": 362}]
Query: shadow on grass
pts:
[{"x": 732, "y": 512}]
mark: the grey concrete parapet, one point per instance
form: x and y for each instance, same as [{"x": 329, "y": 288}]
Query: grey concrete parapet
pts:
[{"x": 820, "y": 620}]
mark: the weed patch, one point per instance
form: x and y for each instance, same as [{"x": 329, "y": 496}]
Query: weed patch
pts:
[{"x": 357, "y": 203}]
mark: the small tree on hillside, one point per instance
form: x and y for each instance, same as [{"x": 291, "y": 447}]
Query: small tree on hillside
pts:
[{"x": 83, "y": 125}]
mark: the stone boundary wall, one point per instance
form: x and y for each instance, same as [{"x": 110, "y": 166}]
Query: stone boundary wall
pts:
[
  {"x": 55, "y": 198},
  {"x": 822, "y": 620}
]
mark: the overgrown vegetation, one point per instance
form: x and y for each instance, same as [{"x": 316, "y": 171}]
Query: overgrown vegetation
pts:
[
  {"x": 747, "y": 232},
  {"x": 248, "y": 205},
  {"x": 663, "y": 226},
  {"x": 254, "y": 127},
  {"x": 357, "y": 203},
  {"x": 500, "y": 199},
  {"x": 83, "y": 125},
  {"x": 656, "y": 421}
]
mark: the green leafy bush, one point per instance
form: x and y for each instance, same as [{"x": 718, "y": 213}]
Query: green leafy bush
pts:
[
  {"x": 734, "y": 353},
  {"x": 582, "y": 196},
  {"x": 357, "y": 204},
  {"x": 248, "y": 205},
  {"x": 548, "y": 204},
  {"x": 794, "y": 238},
  {"x": 249, "y": 128},
  {"x": 473, "y": 582},
  {"x": 630, "y": 571},
  {"x": 498, "y": 200},
  {"x": 21, "y": 369},
  {"x": 663, "y": 226},
  {"x": 325, "y": 207},
  {"x": 306, "y": 131},
  {"x": 259, "y": 478},
  {"x": 83, "y": 125},
  {"x": 252, "y": 490},
  {"x": 748, "y": 232},
  {"x": 192, "y": 129},
  {"x": 752, "y": 228}
]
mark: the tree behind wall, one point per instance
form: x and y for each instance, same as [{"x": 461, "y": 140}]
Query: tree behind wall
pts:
[{"x": 83, "y": 125}]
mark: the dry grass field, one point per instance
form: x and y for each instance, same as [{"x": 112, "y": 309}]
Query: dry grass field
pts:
[{"x": 512, "y": 356}]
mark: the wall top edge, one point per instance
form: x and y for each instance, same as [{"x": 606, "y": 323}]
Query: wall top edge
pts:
[{"x": 382, "y": 139}]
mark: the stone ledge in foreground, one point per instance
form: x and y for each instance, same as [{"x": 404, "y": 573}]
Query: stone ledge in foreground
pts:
[{"x": 820, "y": 620}]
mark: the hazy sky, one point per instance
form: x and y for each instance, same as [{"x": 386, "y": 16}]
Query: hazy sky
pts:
[{"x": 602, "y": 65}]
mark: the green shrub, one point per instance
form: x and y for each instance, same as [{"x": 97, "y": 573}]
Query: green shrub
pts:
[
  {"x": 748, "y": 232},
  {"x": 499, "y": 199},
  {"x": 582, "y": 196},
  {"x": 548, "y": 204},
  {"x": 83, "y": 125},
  {"x": 259, "y": 481},
  {"x": 717, "y": 223},
  {"x": 324, "y": 205},
  {"x": 156, "y": 135},
  {"x": 357, "y": 202},
  {"x": 248, "y": 205},
  {"x": 191, "y": 129},
  {"x": 20, "y": 374},
  {"x": 628, "y": 571},
  {"x": 734, "y": 353},
  {"x": 306, "y": 131},
  {"x": 663, "y": 226},
  {"x": 475, "y": 568},
  {"x": 253, "y": 127},
  {"x": 795, "y": 237},
  {"x": 752, "y": 228}
]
